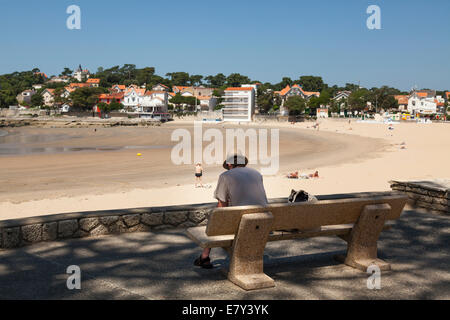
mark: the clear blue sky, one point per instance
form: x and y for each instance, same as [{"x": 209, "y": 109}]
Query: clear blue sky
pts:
[{"x": 265, "y": 40}]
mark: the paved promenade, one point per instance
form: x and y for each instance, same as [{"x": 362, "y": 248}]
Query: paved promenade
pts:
[{"x": 159, "y": 266}]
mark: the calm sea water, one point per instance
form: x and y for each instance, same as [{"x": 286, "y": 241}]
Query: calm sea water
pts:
[{"x": 22, "y": 144}]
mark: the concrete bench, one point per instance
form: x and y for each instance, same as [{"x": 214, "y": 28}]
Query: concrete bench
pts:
[{"x": 244, "y": 231}]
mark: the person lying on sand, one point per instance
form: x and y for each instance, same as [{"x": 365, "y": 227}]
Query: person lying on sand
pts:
[
  {"x": 238, "y": 186},
  {"x": 314, "y": 175},
  {"x": 292, "y": 175}
]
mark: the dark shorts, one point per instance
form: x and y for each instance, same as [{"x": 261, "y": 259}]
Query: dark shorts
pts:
[{"x": 198, "y": 175}]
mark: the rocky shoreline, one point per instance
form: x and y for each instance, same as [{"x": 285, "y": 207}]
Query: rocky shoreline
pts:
[{"x": 76, "y": 123}]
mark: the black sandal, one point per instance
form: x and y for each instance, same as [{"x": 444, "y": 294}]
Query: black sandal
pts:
[{"x": 204, "y": 263}]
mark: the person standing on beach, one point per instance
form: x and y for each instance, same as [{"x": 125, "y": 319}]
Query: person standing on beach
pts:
[
  {"x": 238, "y": 186},
  {"x": 198, "y": 175}
]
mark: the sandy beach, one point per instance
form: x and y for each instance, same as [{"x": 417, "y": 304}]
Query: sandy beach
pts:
[{"x": 49, "y": 170}]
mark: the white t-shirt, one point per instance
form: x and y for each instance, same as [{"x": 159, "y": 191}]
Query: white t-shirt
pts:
[{"x": 241, "y": 187}]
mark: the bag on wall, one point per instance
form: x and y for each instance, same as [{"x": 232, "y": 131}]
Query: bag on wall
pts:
[{"x": 301, "y": 196}]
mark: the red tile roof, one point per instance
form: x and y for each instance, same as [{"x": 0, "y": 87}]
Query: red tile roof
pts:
[
  {"x": 93, "y": 80},
  {"x": 402, "y": 99},
  {"x": 111, "y": 95},
  {"x": 180, "y": 88},
  {"x": 288, "y": 88},
  {"x": 79, "y": 85}
]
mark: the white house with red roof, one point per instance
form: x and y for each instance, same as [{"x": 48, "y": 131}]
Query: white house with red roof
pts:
[
  {"x": 93, "y": 82},
  {"x": 423, "y": 102},
  {"x": 160, "y": 87},
  {"x": 154, "y": 102},
  {"x": 118, "y": 88},
  {"x": 108, "y": 98},
  {"x": 133, "y": 97},
  {"x": 239, "y": 104},
  {"x": 295, "y": 90},
  {"x": 49, "y": 97},
  {"x": 207, "y": 103}
]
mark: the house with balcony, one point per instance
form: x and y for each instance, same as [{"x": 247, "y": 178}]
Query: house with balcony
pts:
[
  {"x": 108, "y": 98},
  {"x": 239, "y": 104},
  {"x": 402, "y": 101},
  {"x": 133, "y": 98},
  {"x": 154, "y": 102},
  {"x": 49, "y": 97},
  {"x": 295, "y": 90},
  {"x": 423, "y": 102},
  {"x": 342, "y": 95}
]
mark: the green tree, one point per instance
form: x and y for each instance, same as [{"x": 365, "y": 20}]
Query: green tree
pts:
[
  {"x": 218, "y": 93},
  {"x": 312, "y": 83},
  {"x": 59, "y": 100},
  {"x": 196, "y": 80},
  {"x": 265, "y": 101},
  {"x": 145, "y": 75},
  {"x": 296, "y": 105},
  {"x": 66, "y": 72},
  {"x": 37, "y": 100},
  {"x": 216, "y": 81},
  {"x": 106, "y": 108},
  {"x": 357, "y": 101},
  {"x": 286, "y": 81},
  {"x": 236, "y": 79},
  {"x": 323, "y": 100},
  {"x": 85, "y": 98},
  {"x": 128, "y": 71},
  {"x": 179, "y": 78},
  {"x": 177, "y": 100}
]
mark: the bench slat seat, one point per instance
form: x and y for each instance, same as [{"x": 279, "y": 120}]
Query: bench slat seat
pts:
[{"x": 198, "y": 235}]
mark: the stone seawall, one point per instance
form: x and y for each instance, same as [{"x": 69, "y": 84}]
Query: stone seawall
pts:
[
  {"x": 22, "y": 232},
  {"x": 433, "y": 195},
  {"x": 64, "y": 122}
]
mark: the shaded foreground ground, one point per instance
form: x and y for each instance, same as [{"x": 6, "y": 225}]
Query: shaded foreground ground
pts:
[{"x": 159, "y": 266}]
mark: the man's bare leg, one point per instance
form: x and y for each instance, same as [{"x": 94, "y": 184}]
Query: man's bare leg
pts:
[{"x": 206, "y": 252}]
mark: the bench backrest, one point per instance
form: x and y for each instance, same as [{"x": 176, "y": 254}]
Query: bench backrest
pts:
[{"x": 304, "y": 215}]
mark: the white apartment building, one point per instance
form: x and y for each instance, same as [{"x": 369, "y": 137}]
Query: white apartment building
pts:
[{"x": 239, "y": 104}]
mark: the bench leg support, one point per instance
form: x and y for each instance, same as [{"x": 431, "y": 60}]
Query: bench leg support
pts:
[
  {"x": 246, "y": 264},
  {"x": 362, "y": 242}
]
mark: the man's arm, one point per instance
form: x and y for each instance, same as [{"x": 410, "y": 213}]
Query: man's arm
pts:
[{"x": 221, "y": 193}]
